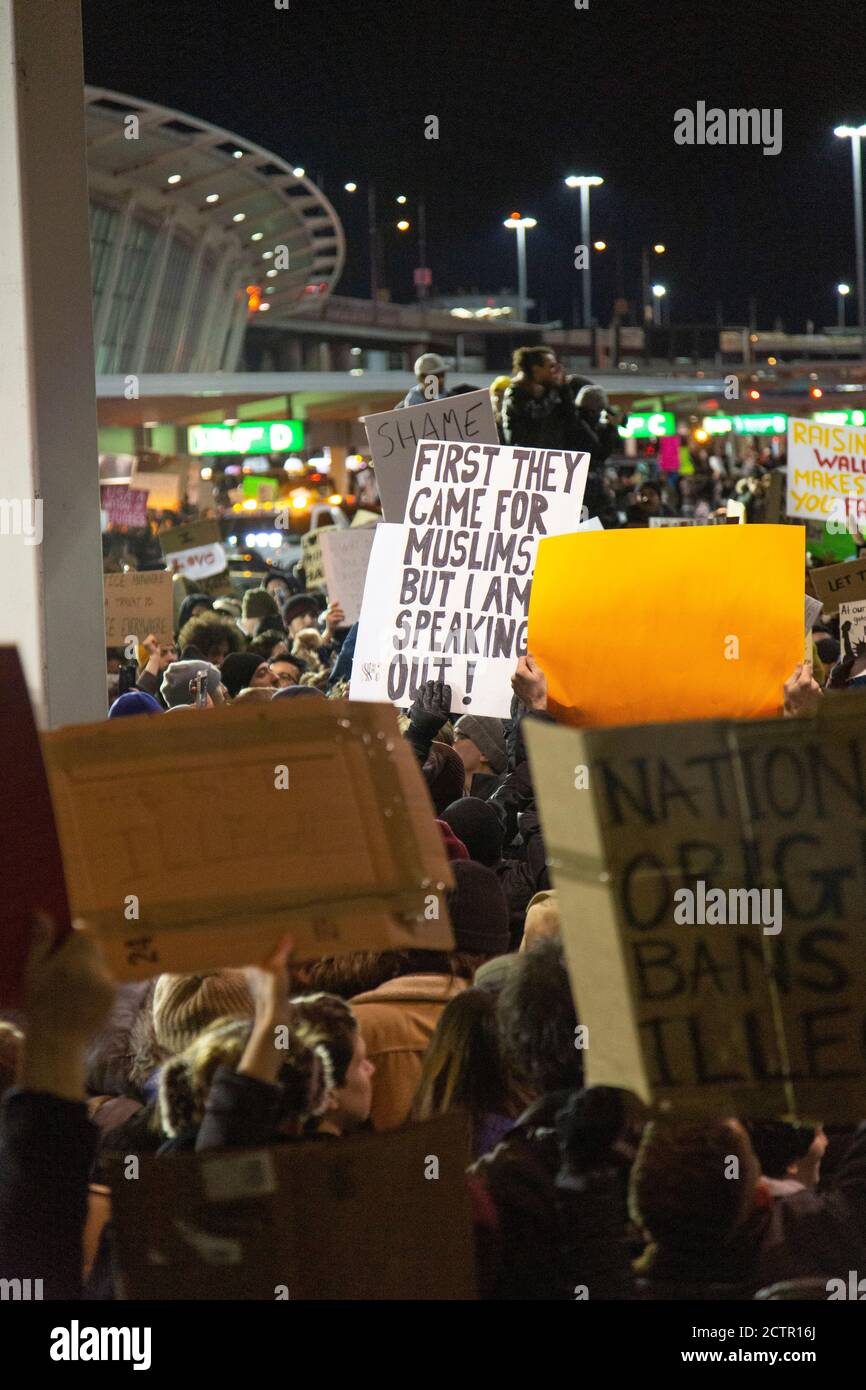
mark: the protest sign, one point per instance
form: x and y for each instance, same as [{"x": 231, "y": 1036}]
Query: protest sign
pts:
[
  {"x": 311, "y": 557},
  {"x": 656, "y": 521},
  {"x": 711, "y": 882},
  {"x": 345, "y": 557},
  {"x": 197, "y": 554},
  {"x": 852, "y": 628},
  {"x": 139, "y": 602},
  {"x": 735, "y": 594},
  {"x": 224, "y": 1225},
  {"x": 148, "y": 815},
  {"x": 826, "y": 471},
  {"x": 163, "y": 490},
  {"x": 32, "y": 869},
  {"x": 447, "y": 594},
  {"x": 835, "y": 584},
  {"x": 395, "y": 434},
  {"x": 124, "y": 506},
  {"x": 669, "y": 453}
]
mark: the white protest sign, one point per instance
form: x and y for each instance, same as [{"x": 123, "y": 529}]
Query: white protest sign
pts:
[
  {"x": 826, "y": 471},
  {"x": 852, "y": 628},
  {"x": 447, "y": 593},
  {"x": 656, "y": 521},
  {"x": 345, "y": 557},
  {"x": 394, "y": 435}
]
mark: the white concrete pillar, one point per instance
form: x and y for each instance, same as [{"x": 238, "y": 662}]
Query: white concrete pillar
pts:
[{"x": 50, "y": 592}]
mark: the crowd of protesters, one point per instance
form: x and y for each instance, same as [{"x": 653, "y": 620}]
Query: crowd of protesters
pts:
[{"x": 572, "y": 1188}]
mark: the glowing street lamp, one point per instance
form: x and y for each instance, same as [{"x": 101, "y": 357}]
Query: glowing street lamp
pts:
[
  {"x": 585, "y": 182},
  {"x": 519, "y": 225},
  {"x": 842, "y": 290},
  {"x": 659, "y": 292}
]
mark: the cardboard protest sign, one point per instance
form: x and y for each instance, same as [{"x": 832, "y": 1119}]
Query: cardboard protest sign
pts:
[
  {"x": 32, "y": 869},
  {"x": 124, "y": 506},
  {"x": 711, "y": 882},
  {"x": 226, "y": 1225},
  {"x": 151, "y": 813},
  {"x": 311, "y": 557},
  {"x": 835, "y": 584},
  {"x": 345, "y": 558},
  {"x": 139, "y": 602},
  {"x": 826, "y": 471},
  {"x": 196, "y": 553},
  {"x": 395, "y": 434},
  {"x": 735, "y": 594},
  {"x": 447, "y": 593}
]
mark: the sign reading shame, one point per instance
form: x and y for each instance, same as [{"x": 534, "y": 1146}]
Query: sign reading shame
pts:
[
  {"x": 447, "y": 593},
  {"x": 395, "y": 434},
  {"x": 714, "y": 1011}
]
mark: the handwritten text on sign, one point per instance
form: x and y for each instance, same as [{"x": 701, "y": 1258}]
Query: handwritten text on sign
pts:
[{"x": 447, "y": 593}]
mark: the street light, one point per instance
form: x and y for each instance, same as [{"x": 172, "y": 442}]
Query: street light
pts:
[
  {"x": 659, "y": 248},
  {"x": 585, "y": 182},
  {"x": 659, "y": 292},
  {"x": 351, "y": 187},
  {"x": 855, "y": 134},
  {"x": 841, "y": 291},
  {"x": 519, "y": 224}
]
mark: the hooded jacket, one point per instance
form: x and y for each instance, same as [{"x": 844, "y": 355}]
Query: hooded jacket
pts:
[{"x": 397, "y": 1021}]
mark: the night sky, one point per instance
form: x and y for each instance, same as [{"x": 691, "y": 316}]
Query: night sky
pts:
[{"x": 525, "y": 94}]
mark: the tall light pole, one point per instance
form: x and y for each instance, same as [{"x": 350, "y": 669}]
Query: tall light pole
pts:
[
  {"x": 659, "y": 292},
  {"x": 519, "y": 225},
  {"x": 841, "y": 291},
  {"x": 855, "y": 134},
  {"x": 585, "y": 182},
  {"x": 646, "y": 303}
]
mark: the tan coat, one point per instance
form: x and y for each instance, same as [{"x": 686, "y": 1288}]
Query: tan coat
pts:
[{"x": 397, "y": 1021}]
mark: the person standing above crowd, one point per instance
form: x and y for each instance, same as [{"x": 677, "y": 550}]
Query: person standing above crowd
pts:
[
  {"x": 430, "y": 371},
  {"x": 537, "y": 408}
]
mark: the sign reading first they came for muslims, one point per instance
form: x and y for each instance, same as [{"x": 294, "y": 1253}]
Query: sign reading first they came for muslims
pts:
[
  {"x": 447, "y": 591},
  {"x": 247, "y": 437}
]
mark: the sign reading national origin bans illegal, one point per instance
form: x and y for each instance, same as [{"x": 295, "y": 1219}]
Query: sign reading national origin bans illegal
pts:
[
  {"x": 136, "y": 604},
  {"x": 147, "y": 813},
  {"x": 826, "y": 472},
  {"x": 712, "y": 884},
  {"x": 447, "y": 593},
  {"x": 395, "y": 434}
]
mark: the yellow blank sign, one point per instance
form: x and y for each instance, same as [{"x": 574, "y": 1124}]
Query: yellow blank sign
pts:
[{"x": 668, "y": 623}]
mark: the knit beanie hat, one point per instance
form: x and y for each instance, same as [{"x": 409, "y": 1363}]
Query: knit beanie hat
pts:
[
  {"x": 477, "y": 824},
  {"x": 258, "y": 603},
  {"x": 134, "y": 702},
  {"x": 238, "y": 670},
  {"x": 444, "y": 774},
  {"x": 478, "y": 909},
  {"x": 175, "y": 683},
  {"x": 311, "y": 602},
  {"x": 185, "y": 1004},
  {"x": 454, "y": 848},
  {"x": 487, "y": 735}
]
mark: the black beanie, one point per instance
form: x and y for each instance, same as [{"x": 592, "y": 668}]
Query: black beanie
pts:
[
  {"x": 238, "y": 670},
  {"x": 444, "y": 774},
  {"x": 476, "y": 823},
  {"x": 478, "y": 910}
]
